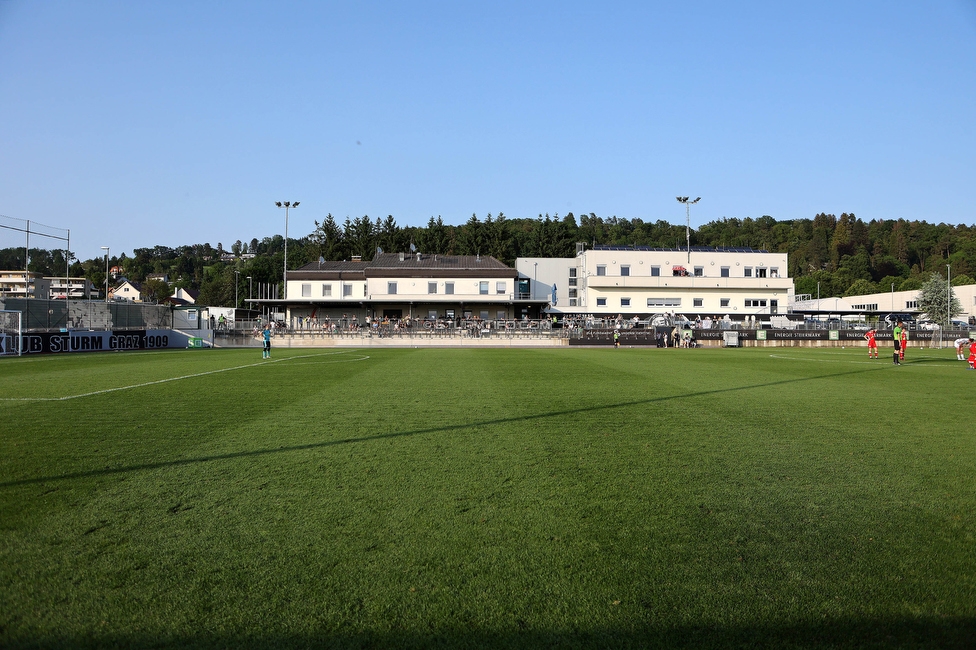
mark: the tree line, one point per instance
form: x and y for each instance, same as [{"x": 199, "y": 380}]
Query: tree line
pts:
[{"x": 841, "y": 256}]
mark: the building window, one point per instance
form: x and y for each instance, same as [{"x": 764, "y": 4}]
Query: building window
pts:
[
  {"x": 760, "y": 272},
  {"x": 572, "y": 273},
  {"x": 699, "y": 271},
  {"x": 655, "y": 271},
  {"x": 391, "y": 287},
  {"x": 624, "y": 270},
  {"x": 501, "y": 314},
  {"x": 774, "y": 271},
  {"x": 347, "y": 291},
  {"x": 725, "y": 271},
  {"x": 572, "y": 293},
  {"x": 449, "y": 288},
  {"x": 483, "y": 287},
  {"x": 755, "y": 302},
  {"x": 499, "y": 287},
  {"x": 747, "y": 271},
  {"x": 483, "y": 314},
  {"x": 724, "y": 302},
  {"x": 625, "y": 302},
  {"x": 326, "y": 290},
  {"x": 572, "y": 302},
  {"x": 572, "y": 282},
  {"x": 431, "y": 314},
  {"x": 431, "y": 287},
  {"x": 664, "y": 302},
  {"x": 601, "y": 269},
  {"x": 697, "y": 302},
  {"x": 601, "y": 302},
  {"x": 306, "y": 290}
]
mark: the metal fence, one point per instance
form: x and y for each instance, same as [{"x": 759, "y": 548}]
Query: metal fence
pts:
[
  {"x": 401, "y": 329},
  {"x": 55, "y": 315}
]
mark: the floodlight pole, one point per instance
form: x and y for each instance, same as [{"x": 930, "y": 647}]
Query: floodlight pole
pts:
[
  {"x": 688, "y": 203},
  {"x": 250, "y": 285},
  {"x": 286, "y": 205},
  {"x": 27, "y": 263},
  {"x": 105, "y": 248},
  {"x": 67, "y": 263},
  {"x": 948, "y": 296},
  {"x": 237, "y": 281}
]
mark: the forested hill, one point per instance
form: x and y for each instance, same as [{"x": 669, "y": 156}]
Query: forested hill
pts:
[{"x": 844, "y": 254}]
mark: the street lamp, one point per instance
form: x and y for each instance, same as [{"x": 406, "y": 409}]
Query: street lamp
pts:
[
  {"x": 286, "y": 205},
  {"x": 688, "y": 203},
  {"x": 237, "y": 281},
  {"x": 105, "y": 248}
]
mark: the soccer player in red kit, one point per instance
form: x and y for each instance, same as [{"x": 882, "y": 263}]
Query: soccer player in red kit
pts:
[
  {"x": 972, "y": 355},
  {"x": 904, "y": 343},
  {"x": 872, "y": 344}
]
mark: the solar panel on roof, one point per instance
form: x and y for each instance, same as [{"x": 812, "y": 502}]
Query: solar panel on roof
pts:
[{"x": 696, "y": 249}]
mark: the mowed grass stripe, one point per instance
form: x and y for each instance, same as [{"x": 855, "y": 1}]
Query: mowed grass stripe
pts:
[{"x": 498, "y": 498}]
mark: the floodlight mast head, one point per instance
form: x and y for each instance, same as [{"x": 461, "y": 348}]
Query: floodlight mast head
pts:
[{"x": 286, "y": 205}]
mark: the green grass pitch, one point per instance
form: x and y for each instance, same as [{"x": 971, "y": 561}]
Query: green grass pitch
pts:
[{"x": 416, "y": 498}]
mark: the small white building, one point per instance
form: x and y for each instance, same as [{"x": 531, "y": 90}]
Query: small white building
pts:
[
  {"x": 894, "y": 302},
  {"x": 127, "y": 290}
]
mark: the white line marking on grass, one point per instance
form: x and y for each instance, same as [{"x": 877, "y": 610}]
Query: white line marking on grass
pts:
[
  {"x": 873, "y": 362},
  {"x": 263, "y": 362},
  {"x": 917, "y": 355}
]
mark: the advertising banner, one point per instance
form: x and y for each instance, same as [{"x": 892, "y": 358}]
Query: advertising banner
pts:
[{"x": 102, "y": 341}]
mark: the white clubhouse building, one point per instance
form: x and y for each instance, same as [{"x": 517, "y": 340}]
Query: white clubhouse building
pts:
[
  {"x": 641, "y": 281},
  {"x": 605, "y": 281}
]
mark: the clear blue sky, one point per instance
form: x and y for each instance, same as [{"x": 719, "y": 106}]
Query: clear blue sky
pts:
[{"x": 143, "y": 123}]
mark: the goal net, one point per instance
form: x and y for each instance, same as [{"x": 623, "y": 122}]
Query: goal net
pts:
[{"x": 10, "y": 332}]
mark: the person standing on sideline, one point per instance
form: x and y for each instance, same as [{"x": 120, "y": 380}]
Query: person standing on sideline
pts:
[
  {"x": 872, "y": 343},
  {"x": 961, "y": 345},
  {"x": 266, "y": 353},
  {"x": 904, "y": 344},
  {"x": 616, "y": 338}
]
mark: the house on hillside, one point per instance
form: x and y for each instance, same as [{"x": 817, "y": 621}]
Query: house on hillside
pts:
[
  {"x": 127, "y": 290},
  {"x": 181, "y": 297}
]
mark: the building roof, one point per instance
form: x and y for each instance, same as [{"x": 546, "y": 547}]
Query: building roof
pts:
[
  {"x": 330, "y": 271},
  {"x": 681, "y": 249},
  {"x": 395, "y": 265}
]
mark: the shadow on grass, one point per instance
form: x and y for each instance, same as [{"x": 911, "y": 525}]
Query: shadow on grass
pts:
[
  {"x": 895, "y": 633},
  {"x": 399, "y": 434}
]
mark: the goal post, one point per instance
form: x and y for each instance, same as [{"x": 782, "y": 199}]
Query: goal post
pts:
[{"x": 11, "y": 331}]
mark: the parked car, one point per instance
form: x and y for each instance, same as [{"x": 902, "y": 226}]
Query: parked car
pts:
[{"x": 892, "y": 319}]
